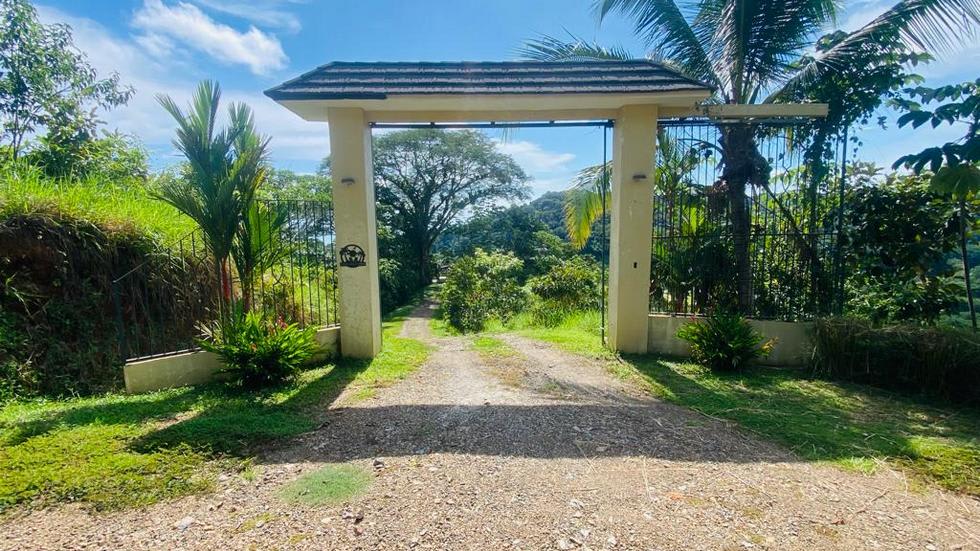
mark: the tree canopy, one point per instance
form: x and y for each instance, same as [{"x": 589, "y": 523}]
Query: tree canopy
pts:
[
  {"x": 426, "y": 179},
  {"x": 45, "y": 82}
]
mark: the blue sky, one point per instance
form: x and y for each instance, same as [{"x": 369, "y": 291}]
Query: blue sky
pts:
[{"x": 167, "y": 46}]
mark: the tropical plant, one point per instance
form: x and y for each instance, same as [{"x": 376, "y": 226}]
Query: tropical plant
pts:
[
  {"x": 224, "y": 171},
  {"x": 571, "y": 285},
  {"x": 955, "y": 165},
  {"x": 480, "y": 287},
  {"x": 895, "y": 236},
  {"x": 258, "y": 351},
  {"x": 753, "y": 53},
  {"x": 724, "y": 341}
]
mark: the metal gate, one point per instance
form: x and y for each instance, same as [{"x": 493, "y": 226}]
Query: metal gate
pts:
[{"x": 161, "y": 304}]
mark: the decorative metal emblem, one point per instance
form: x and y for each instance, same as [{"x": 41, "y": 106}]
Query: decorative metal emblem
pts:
[{"x": 352, "y": 256}]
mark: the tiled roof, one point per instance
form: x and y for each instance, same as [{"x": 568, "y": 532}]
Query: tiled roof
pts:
[{"x": 348, "y": 80}]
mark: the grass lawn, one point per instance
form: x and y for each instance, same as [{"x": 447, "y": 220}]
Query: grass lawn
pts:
[
  {"x": 852, "y": 426},
  {"x": 118, "y": 450}
]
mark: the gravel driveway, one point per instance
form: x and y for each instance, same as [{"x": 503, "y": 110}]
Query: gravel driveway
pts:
[{"x": 537, "y": 450}]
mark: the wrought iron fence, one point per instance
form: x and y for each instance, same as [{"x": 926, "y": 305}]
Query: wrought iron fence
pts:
[
  {"x": 787, "y": 237},
  {"x": 289, "y": 272}
]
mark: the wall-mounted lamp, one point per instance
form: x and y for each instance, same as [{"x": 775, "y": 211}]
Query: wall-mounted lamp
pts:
[
  {"x": 639, "y": 177},
  {"x": 347, "y": 181}
]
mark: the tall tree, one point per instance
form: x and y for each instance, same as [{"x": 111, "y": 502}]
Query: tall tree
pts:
[
  {"x": 45, "y": 82},
  {"x": 955, "y": 165},
  {"x": 752, "y": 51},
  {"x": 429, "y": 178}
]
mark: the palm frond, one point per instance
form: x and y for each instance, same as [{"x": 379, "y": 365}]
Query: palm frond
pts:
[
  {"x": 936, "y": 26},
  {"x": 666, "y": 30},
  {"x": 550, "y": 48},
  {"x": 583, "y": 202}
]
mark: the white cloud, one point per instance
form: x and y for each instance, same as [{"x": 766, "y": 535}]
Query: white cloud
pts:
[
  {"x": 295, "y": 142},
  {"x": 268, "y": 13},
  {"x": 534, "y": 159},
  {"x": 185, "y": 24}
]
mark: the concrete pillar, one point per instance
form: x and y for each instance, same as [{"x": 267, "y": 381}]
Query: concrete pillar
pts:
[
  {"x": 353, "y": 196},
  {"x": 634, "y": 152}
]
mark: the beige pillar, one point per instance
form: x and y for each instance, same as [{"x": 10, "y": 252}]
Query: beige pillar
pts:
[
  {"x": 634, "y": 151},
  {"x": 353, "y": 196}
]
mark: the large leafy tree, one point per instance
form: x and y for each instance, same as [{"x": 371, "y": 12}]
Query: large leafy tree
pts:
[
  {"x": 955, "y": 165},
  {"x": 754, "y": 52},
  {"x": 45, "y": 82},
  {"x": 427, "y": 179}
]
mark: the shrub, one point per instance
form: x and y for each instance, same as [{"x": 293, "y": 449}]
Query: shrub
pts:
[
  {"x": 258, "y": 351},
  {"x": 480, "y": 287},
  {"x": 942, "y": 361},
  {"x": 570, "y": 286},
  {"x": 724, "y": 341}
]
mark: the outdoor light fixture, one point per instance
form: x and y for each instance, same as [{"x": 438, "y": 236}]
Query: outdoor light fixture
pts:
[{"x": 347, "y": 181}]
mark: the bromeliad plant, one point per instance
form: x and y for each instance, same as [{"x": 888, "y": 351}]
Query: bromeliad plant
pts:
[
  {"x": 256, "y": 350},
  {"x": 724, "y": 341}
]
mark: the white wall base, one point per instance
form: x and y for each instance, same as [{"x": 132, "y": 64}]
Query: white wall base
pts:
[
  {"x": 194, "y": 368},
  {"x": 792, "y": 349}
]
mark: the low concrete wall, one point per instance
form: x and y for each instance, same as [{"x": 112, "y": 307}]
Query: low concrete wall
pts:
[
  {"x": 194, "y": 368},
  {"x": 792, "y": 339}
]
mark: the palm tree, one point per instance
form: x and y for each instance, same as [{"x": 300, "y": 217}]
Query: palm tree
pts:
[
  {"x": 224, "y": 170},
  {"x": 753, "y": 52}
]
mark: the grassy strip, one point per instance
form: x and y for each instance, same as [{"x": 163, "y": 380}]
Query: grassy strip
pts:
[
  {"x": 126, "y": 210},
  {"x": 119, "y": 450},
  {"x": 852, "y": 426},
  {"x": 330, "y": 485}
]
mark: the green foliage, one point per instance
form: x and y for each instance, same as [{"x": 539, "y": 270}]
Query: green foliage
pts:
[
  {"x": 258, "y": 351},
  {"x": 426, "y": 179},
  {"x": 123, "y": 210},
  {"x": 46, "y": 82},
  {"x": 481, "y": 287},
  {"x": 723, "y": 341},
  {"x": 962, "y": 106},
  {"x": 895, "y": 237},
  {"x": 224, "y": 170},
  {"x": 329, "y": 485},
  {"x": 114, "y": 158},
  {"x": 570, "y": 286},
  {"x": 61, "y": 243},
  {"x": 941, "y": 361}
]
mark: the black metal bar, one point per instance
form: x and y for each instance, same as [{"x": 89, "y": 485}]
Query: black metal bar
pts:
[{"x": 491, "y": 125}]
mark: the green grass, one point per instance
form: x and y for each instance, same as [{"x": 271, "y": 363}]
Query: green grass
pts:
[
  {"x": 114, "y": 208},
  {"x": 852, "y": 426},
  {"x": 119, "y": 450},
  {"x": 491, "y": 347},
  {"x": 330, "y": 485}
]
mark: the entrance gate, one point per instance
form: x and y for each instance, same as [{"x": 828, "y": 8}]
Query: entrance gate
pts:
[{"x": 632, "y": 95}]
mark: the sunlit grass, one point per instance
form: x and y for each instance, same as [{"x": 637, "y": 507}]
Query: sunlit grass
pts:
[
  {"x": 122, "y": 450},
  {"x": 123, "y": 209},
  {"x": 330, "y": 485},
  {"x": 851, "y": 426}
]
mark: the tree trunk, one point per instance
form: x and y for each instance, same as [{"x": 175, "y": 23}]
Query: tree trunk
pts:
[
  {"x": 966, "y": 265},
  {"x": 743, "y": 164}
]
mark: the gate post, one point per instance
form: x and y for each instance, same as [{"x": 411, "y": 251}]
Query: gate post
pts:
[
  {"x": 634, "y": 157},
  {"x": 356, "y": 240}
]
